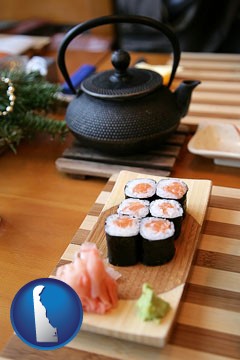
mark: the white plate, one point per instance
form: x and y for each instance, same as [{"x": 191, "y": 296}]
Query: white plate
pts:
[{"x": 220, "y": 142}]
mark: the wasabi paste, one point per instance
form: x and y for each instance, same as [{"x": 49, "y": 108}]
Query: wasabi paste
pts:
[{"x": 150, "y": 306}]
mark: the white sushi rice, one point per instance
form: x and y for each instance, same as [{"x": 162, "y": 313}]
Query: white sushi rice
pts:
[
  {"x": 113, "y": 229},
  {"x": 166, "y": 208},
  {"x": 147, "y": 230},
  {"x": 131, "y": 186},
  {"x": 127, "y": 207},
  {"x": 163, "y": 184}
]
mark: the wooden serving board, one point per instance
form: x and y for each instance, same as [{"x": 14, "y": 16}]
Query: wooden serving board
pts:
[{"x": 167, "y": 280}]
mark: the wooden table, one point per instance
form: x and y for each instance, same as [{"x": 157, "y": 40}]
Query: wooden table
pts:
[{"x": 42, "y": 209}]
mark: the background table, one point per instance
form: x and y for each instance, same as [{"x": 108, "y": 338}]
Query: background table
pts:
[{"x": 41, "y": 209}]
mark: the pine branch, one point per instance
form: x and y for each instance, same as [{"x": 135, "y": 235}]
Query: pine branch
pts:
[
  {"x": 33, "y": 123},
  {"x": 33, "y": 92},
  {"x": 35, "y": 97},
  {"x": 10, "y": 135}
]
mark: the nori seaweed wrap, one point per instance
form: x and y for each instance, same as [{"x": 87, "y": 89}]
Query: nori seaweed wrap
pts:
[
  {"x": 123, "y": 240},
  {"x": 157, "y": 241}
]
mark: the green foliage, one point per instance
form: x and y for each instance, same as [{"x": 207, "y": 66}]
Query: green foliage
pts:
[{"x": 35, "y": 99}]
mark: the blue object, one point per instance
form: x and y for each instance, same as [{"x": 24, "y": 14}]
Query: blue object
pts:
[
  {"x": 46, "y": 314},
  {"x": 77, "y": 77}
]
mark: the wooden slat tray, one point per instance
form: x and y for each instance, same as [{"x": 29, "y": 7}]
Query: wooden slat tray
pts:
[
  {"x": 78, "y": 160},
  {"x": 167, "y": 280},
  {"x": 208, "y": 321}
]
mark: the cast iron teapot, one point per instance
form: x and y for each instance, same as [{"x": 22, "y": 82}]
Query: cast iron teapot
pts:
[{"x": 125, "y": 110}]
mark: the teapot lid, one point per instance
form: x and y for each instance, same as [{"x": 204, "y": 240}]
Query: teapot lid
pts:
[{"x": 122, "y": 82}]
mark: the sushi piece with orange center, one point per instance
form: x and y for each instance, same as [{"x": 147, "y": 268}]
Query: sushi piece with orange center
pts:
[
  {"x": 174, "y": 189},
  {"x": 168, "y": 209},
  {"x": 122, "y": 235},
  {"x": 134, "y": 207},
  {"x": 144, "y": 189},
  {"x": 157, "y": 241}
]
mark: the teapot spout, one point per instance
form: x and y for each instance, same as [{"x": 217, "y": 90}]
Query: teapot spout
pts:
[{"x": 183, "y": 95}]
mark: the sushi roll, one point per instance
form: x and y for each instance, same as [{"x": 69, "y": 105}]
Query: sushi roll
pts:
[
  {"x": 168, "y": 209},
  {"x": 143, "y": 189},
  {"x": 122, "y": 234},
  {"x": 134, "y": 207},
  {"x": 174, "y": 189},
  {"x": 157, "y": 241}
]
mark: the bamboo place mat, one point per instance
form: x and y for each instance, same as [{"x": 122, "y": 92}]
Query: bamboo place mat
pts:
[
  {"x": 208, "y": 322},
  {"x": 217, "y": 98}
]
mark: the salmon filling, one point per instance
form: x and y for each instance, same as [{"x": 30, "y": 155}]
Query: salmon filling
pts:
[
  {"x": 175, "y": 188},
  {"x": 158, "y": 225},
  {"x": 123, "y": 222},
  {"x": 134, "y": 206},
  {"x": 142, "y": 188},
  {"x": 165, "y": 207}
]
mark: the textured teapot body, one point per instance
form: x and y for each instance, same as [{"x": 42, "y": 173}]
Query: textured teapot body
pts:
[{"x": 124, "y": 126}]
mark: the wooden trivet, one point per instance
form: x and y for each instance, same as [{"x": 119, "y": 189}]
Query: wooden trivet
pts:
[{"x": 82, "y": 161}]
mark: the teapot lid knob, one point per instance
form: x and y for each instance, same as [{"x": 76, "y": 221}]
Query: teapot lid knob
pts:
[{"x": 120, "y": 60}]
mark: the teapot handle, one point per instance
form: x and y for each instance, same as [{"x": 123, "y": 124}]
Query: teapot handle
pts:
[{"x": 116, "y": 19}]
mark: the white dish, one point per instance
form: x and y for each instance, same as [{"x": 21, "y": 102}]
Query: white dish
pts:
[{"x": 220, "y": 142}]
